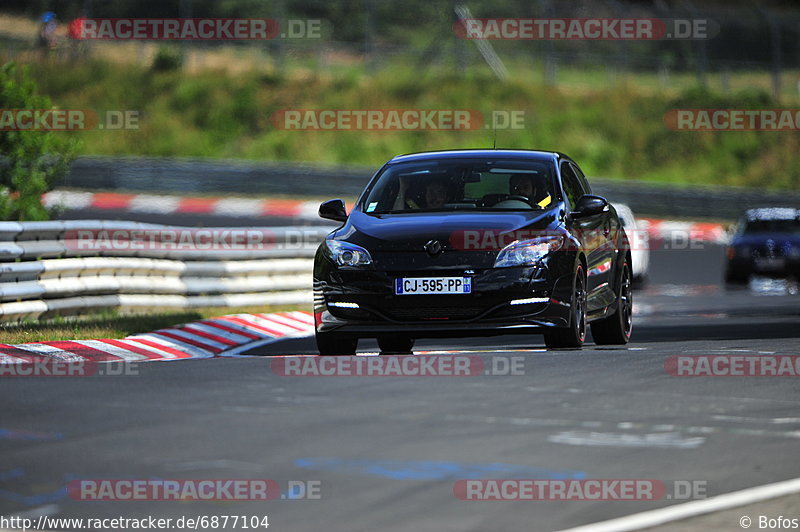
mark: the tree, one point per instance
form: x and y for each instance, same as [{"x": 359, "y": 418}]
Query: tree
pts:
[{"x": 31, "y": 161}]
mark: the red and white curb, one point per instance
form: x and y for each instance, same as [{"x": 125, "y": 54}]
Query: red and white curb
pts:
[
  {"x": 200, "y": 339},
  {"x": 307, "y": 210},
  {"x": 156, "y": 204},
  {"x": 684, "y": 231}
]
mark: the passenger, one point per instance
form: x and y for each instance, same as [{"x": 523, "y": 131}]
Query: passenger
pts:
[{"x": 435, "y": 197}]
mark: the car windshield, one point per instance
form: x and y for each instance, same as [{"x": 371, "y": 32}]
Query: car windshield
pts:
[
  {"x": 442, "y": 186},
  {"x": 772, "y": 226}
]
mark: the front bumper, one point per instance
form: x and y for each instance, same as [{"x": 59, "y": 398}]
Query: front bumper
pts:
[
  {"x": 779, "y": 267},
  {"x": 372, "y": 308}
]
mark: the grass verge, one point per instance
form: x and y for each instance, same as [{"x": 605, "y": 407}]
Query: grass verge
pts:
[{"x": 112, "y": 324}]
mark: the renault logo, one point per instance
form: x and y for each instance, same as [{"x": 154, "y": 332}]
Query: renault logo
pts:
[{"x": 433, "y": 247}]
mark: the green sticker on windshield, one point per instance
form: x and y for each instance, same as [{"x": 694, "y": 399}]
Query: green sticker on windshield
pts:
[{"x": 372, "y": 206}]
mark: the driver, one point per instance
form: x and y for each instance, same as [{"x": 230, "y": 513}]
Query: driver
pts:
[{"x": 522, "y": 185}]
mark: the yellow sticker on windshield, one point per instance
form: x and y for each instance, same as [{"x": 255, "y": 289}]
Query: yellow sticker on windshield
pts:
[{"x": 545, "y": 202}]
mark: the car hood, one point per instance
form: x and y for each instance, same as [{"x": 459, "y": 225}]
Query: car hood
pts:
[{"x": 472, "y": 231}]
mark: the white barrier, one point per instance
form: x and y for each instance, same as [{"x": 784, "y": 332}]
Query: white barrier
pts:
[{"x": 44, "y": 273}]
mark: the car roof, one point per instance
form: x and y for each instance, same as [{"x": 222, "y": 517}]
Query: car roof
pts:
[
  {"x": 541, "y": 156},
  {"x": 772, "y": 213}
]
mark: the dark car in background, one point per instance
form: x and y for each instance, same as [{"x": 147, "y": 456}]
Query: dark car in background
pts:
[
  {"x": 766, "y": 242},
  {"x": 473, "y": 243}
]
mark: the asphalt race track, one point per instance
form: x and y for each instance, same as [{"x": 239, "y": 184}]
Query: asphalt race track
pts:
[{"x": 388, "y": 450}]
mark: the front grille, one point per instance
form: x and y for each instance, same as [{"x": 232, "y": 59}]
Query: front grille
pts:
[
  {"x": 421, "y": 313},
  {"x": 760, "y": 253}
]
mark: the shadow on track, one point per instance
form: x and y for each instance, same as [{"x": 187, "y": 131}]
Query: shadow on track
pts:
[{"x": 717, "y": 331}]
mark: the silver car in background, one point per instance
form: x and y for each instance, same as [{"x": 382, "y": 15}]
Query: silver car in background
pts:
[{"x": 640, "y": 243}]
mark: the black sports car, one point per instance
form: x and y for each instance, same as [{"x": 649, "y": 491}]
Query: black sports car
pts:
[
  {"x": 473, "y": 243},
  {"x": 766, "y": 242}
]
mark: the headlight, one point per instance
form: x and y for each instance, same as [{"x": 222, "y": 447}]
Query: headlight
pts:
[
  {"x": 346, "y": 254},
  {"x": 528, "y": 252}
]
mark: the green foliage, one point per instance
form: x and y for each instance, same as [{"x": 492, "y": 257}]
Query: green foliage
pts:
[
  {"x": 616, "y": 132},
  {"x": 32, "y": 161},
  {"x": 167, "y": 59}
]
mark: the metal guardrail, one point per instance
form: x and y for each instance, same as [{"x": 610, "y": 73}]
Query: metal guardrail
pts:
[
  {"x": 46, "y": 269},
  {"x": 215, "y": 176},
  {"x": 219, "y": 177},
  {"x": 696, "y": 203}
]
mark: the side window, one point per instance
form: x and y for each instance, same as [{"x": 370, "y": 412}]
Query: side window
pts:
[
  {"x": 582, "y": 178},
  {"x": 572, "y": 187}
]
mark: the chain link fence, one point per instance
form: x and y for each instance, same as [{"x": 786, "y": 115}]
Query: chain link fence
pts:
[{"x": 748, "y": 45}]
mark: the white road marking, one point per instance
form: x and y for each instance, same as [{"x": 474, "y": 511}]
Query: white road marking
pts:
[
  {"x": 642, "y": 427},
  {"x": 659, "y": 440},
  {"x": 686, "y": 510},
  {"x": 743, "y": 419},
  {"x": 665, "y": 428}
]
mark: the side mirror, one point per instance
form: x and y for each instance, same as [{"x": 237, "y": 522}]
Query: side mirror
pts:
[
  {"x": 333, "y": 210},
  {"x": 590, "y": 205}
]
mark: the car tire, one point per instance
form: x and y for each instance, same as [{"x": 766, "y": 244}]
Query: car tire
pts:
[
  {"x": 732, "y": 277},
  {"x": 395, "y": 344},
  {"x": 616, "y": 329},
  {"x": 329, "y": 344},
  {"x": 574, "y": 335}
]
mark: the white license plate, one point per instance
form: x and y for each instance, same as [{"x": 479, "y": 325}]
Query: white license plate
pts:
[
  {"x": 770, "y": 263},
  {"x": 404, "y": 286}
]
